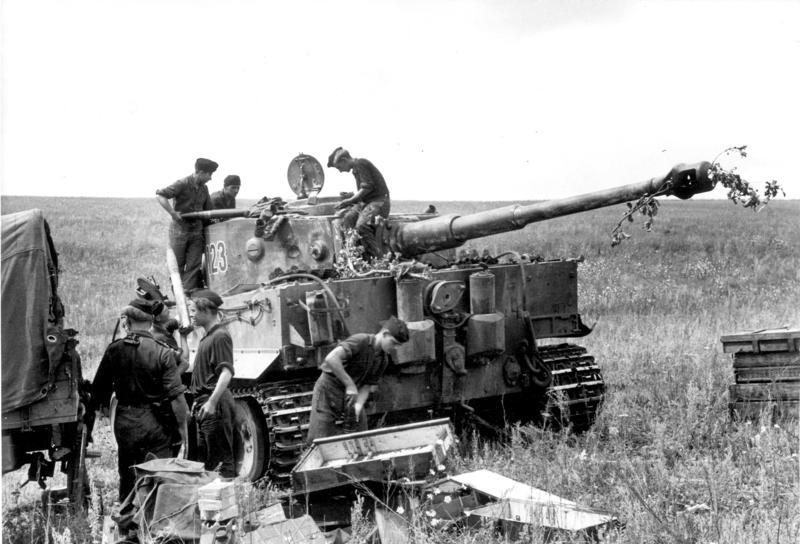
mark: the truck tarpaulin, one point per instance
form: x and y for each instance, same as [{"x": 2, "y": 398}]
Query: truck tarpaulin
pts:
[{"x": 32, "y": 340}]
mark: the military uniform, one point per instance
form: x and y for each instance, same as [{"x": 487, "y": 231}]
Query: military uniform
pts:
[
  {"x": 186, "y": 237},
  {"x": 365, "y": 364},
  {"x": 162, "y": 335},
  {"x": 220, "y": 200},
  {"x": 214, "y": 353},
  {"x": 144, "y": 376},
  {"x": 374, "y": 203}
]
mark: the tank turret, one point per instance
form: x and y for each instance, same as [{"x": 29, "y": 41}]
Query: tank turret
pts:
[{"x": 475, "y": 328}]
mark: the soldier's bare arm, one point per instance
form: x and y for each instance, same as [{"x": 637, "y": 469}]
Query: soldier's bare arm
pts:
[
  {"x": 210, "y": 407},
  {"x": 361, "y": 399},
  {"x": 181, "y": 410},
  {"x": 335, "y": 361},
  {"x": 164, "y": 201}
]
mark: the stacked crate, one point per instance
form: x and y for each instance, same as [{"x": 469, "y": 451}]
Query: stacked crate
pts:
[
  {"x": 217, "y": 501},
  {"x": 766, "y": 367}
]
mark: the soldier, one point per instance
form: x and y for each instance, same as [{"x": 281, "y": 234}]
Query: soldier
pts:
[
  {"x": 214, "y": 407},
  {"x": 144, "y": 376},
  {"x": 190, "y": 194},
  {"x": 370, "y": 201},
  {"x": 163, "y": 330},
  {"x": 164, "y": 327},
  {"x": 226, "y": 198},
  {"x": 349, "y": 374}
]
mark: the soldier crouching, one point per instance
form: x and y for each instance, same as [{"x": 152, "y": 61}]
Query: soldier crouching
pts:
[{"x": 350, "y": 373}]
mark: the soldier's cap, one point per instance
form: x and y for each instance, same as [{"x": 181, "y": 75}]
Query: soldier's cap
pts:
[
  {"x": 397, "y": 328},
  {"x": 205, "y": 165},
  {"x": 140, "y": 309},
  {"x": 233, "y": 179},
  {"x": 337, "y": 155},
  {"x": 209, "y": 295}
]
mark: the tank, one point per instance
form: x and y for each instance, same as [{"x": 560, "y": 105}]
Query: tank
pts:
[
  {"x": 476, "y": 323},
  {"x": 44, "y": 394}
]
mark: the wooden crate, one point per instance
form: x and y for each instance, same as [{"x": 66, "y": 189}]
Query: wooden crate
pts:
[
  {"x": 760, "y": 392},
  {"x": 766, "y": 369},
  {"x": 766, "y": 374},
  {"x": 771, "y": 410},
  {"x": 763, "y": 341}
]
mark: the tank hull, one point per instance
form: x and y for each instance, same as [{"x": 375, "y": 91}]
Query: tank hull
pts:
[{"x": 458, "y": 362}]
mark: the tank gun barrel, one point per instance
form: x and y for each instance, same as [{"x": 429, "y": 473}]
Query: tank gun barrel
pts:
[{"x": 448, "y": 231}]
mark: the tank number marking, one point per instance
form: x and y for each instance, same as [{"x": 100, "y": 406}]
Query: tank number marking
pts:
[{"x": 217, "y": 258}]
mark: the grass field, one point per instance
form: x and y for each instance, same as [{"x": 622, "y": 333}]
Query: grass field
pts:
[{"x": 663, "y": 441}]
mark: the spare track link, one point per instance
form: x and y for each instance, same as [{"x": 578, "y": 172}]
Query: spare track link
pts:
[
  {"x": 576, "y": 393},
  {"x": 286, "y": 409}
]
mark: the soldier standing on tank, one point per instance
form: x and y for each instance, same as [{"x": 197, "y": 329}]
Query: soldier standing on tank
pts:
[
  {"x": 190, "y": 194},
  {"x": 349, "y": 374},
  {"x": 213, "y": 408},
  {"x": 143, "y": 374},
  {"x": 370, "y": 200},
  {"x": 225, "y": 199}
]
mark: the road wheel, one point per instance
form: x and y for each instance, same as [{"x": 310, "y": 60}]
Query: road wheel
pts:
[{"x": 251, "y": 440}]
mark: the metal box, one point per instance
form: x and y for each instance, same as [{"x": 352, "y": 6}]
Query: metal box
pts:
[{"x": 405, "y": 451}]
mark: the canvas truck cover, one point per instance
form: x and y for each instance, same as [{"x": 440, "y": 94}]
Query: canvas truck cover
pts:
[{"x": 32, "y": 341}]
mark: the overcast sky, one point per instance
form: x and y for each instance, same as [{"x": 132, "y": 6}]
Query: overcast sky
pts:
[{"x": 477, "y": 99}]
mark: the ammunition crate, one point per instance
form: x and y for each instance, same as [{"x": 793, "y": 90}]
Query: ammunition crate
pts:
[{"x": 766, "y": 368}]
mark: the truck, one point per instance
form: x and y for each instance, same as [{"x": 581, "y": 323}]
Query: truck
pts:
[{"x": 44, "y": 394}]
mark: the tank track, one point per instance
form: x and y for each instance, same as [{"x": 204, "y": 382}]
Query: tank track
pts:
[
  {"x": 572, "y": 400},
  {"x": 286, "y": 409},
  {"x": 576, "y": 393}
]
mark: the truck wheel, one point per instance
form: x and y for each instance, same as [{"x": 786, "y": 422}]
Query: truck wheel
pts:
[{"x": 251, "y": 440}]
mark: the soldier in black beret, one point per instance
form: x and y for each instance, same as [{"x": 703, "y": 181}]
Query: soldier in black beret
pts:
[
  {"x": 186, "y": 239},
  {"x": 370, "y": 201},
  {"x": 349, "y": 374},
  {"x": 214, "y": 408},
  {"x": 225, "y": 199},
  {"x": 143, "y": 374}
]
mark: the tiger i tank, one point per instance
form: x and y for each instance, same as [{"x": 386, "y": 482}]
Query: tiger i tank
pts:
[{"x": 292, "y": 289}]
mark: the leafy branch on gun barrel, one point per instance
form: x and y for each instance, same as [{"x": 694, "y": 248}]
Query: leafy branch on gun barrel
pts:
[{"x": 740, "y": 191}]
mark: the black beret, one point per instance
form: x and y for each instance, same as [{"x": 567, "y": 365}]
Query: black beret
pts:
[
  {"x": 233, "y": 179},
  {"x": 397, "y": 328},
  {"x": 337, "y": 154},
  {"x": 209, "y": 295},
  {"x": 205, "y": 165}
]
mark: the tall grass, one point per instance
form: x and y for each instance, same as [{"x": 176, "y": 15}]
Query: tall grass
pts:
[{"x": 663, "y": 441}]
